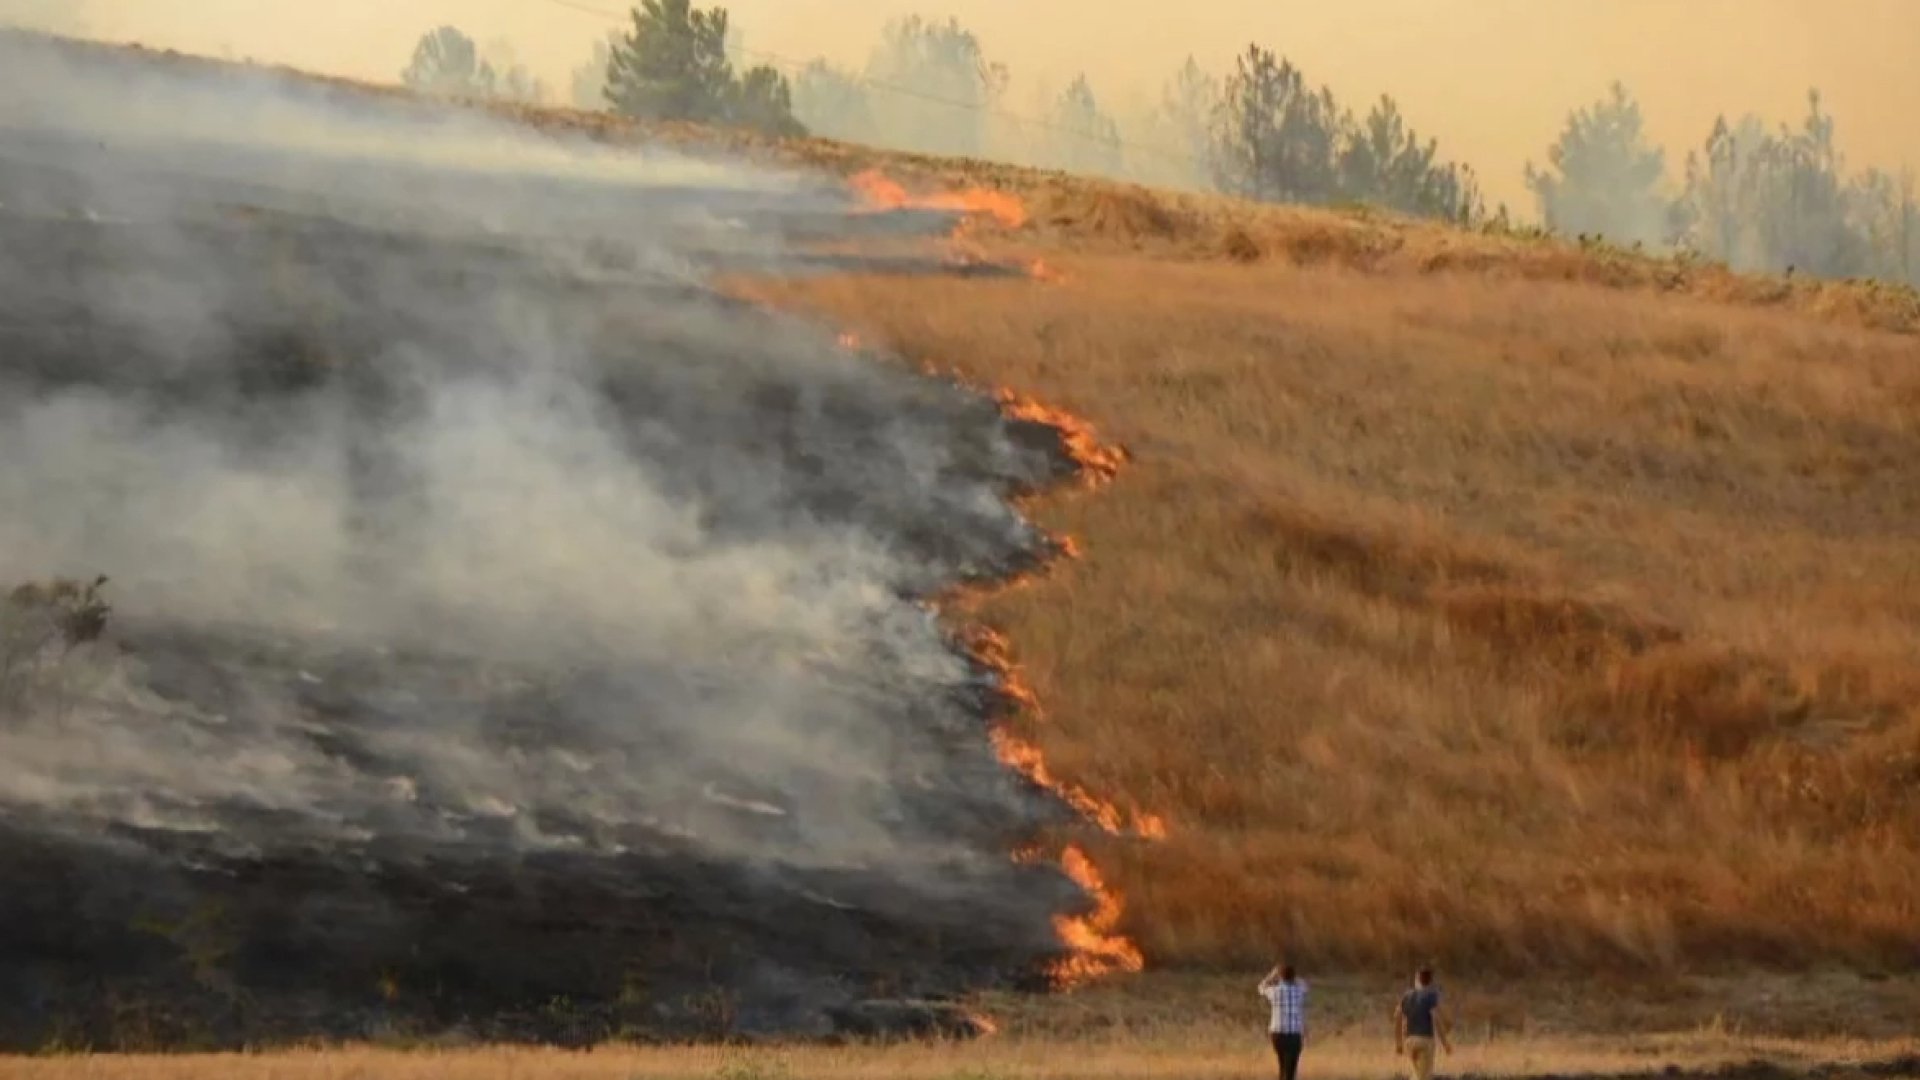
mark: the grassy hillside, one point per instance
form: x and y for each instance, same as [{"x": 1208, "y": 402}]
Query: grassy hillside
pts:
[
  {"x": 1519, "y": 607},
  {"x": 1466, "y": 595}
]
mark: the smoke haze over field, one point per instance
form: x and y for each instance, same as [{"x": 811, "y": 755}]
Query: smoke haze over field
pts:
[
  {"x": 1493, "y": 79},
  {"x": 473, "y": 564}
]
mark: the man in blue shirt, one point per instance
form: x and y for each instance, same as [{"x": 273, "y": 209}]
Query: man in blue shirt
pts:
[
  {"x": 1288, "y": 1028},
  {"x": 1418, "y": 1020}
]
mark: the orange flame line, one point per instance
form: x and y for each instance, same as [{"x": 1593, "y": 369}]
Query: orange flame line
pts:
[
  {"x": 882, "y": 192},
  {"x": 1095, "y": 948},
  {"x": 1098, "y": 461},
  {"x": 1098, "y": 949}
]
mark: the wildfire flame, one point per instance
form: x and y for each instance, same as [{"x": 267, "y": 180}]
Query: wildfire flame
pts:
[
  {"x": 1098, "y": 461},
  {"x": 882, "y": 192},
  {"x": 1026, "y": 759},
  {"x": 983, "y": 1025},
  {"x": 849, "y": 341},
  {"x": 991, "y": 650},
  {"x": 1094, "y": 946},
  {"x": 1097, "y": 949}
]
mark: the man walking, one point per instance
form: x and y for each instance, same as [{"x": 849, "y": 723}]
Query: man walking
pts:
[
  {"x": 1288, "y": 1029},
  {"x": 1418, "y": 1020}
]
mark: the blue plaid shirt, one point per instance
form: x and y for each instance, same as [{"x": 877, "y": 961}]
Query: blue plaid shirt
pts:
[{"x": 1289, "y": 1001}]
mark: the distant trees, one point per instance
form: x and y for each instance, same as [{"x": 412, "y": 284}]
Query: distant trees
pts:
[
  {"x": 1777, "y": 200},
  {"x": 447, "y": 63},
  {"x": 673, "y": 65},
  {"x": 588, "y": 86},
  {"x": 1383, "y": 162},
  {"x": 1083, "y": 137},
  {"x": 939, "y": 87},
  {"x": 762, "y": 100},
  {"x": 1755, "y": 197},
  {"x": 1888, "y": 217},
  {"x": 1166, "y": 138},
  {"x": 1752, "y": 197},
  {"x": 1277, "y": 139},
  {"x": 1773, "y": 200},
  {"x": 1187, "y": 105},
  {"x": 1604, "y": 177},
  {"x": 511, "y": 80},
  {"x": 834, "y": 103}
]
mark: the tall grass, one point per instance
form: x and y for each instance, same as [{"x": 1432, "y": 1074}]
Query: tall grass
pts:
[
  {"x": 1189, "y": 1055},
  {"x": 1456, "y": 615}
]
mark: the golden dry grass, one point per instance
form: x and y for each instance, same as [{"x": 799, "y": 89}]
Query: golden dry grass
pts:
[
  {"x": 1505, "y": 621},
  {"x": 1186, "y": 1055}
]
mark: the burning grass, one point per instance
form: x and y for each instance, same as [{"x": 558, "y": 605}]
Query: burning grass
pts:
[
  {"x": 1095, "y": 946},
  {"x": 1511, "y": 622},
  {"x": 881, "y": 192}
]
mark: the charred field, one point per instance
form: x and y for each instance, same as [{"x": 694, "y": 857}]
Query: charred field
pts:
[{"x": 509, "y": 632}]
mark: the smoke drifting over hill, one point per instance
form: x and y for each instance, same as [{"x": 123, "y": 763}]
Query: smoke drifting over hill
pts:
[
  {"x": 1493, "y": 80},
  {"x": 501, "y": 616}
]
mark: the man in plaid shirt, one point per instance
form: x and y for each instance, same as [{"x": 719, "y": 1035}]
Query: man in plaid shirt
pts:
[{"x": 1288, "y": 996}]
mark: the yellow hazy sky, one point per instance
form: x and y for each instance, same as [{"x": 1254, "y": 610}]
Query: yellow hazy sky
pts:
[{"x": 1493, "y": 79}]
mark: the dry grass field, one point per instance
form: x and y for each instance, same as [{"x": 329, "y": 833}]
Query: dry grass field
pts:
[
  {"x": 1194, "y": 1058},
  {"x": 1505, "y": 620},
  {"x": 1185, "y": 1054},
  {"x": 1176, "y": 1027}
]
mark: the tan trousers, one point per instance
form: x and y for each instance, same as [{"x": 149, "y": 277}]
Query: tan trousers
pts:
[{"x": 1420, "y": 1050}]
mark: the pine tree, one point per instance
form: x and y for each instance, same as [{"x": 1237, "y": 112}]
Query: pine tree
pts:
[
  {"x": 447, "y": 63},
  {"x": 1085, "y": 139},
  {"x": 834, "y": 103},
  {"x": 1603, "y": 176},
  {"x": 1274, "y": 139},
  {"x": 1188, "y": 105},
  {"x": 589, "y": 83},
  {"x": 673, "y": 64},
  {"x": 941, "y": 86}
]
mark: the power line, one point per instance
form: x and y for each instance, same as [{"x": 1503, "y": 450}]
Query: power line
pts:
[{"x": 791, "y": 64}]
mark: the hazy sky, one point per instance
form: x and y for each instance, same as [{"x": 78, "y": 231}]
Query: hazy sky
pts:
[{"x": 1493, "y": 79}]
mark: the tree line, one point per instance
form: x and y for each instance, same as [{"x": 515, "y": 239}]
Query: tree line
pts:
[{"x": 1753, "y": 196}]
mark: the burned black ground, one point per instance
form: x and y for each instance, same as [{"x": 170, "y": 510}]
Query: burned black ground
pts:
[{"x": 594, "y": 690}]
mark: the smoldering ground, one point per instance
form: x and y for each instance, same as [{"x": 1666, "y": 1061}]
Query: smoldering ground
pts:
[{"x": 509, "y": 632}]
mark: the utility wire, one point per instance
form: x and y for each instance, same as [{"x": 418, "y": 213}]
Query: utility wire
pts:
[{"x": 791, "y": 64}]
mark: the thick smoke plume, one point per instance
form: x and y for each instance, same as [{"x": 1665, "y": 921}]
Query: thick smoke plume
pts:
[{"x": 500, "y": 616}]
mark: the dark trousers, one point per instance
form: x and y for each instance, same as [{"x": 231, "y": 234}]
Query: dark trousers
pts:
[{"x": 1287, "y": 1049}]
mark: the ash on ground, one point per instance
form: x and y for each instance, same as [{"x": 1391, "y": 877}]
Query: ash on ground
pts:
[{"x": 510, "y": 635}]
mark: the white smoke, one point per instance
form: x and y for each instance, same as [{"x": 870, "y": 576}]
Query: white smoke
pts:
[{"x": 458, "y": 540}]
